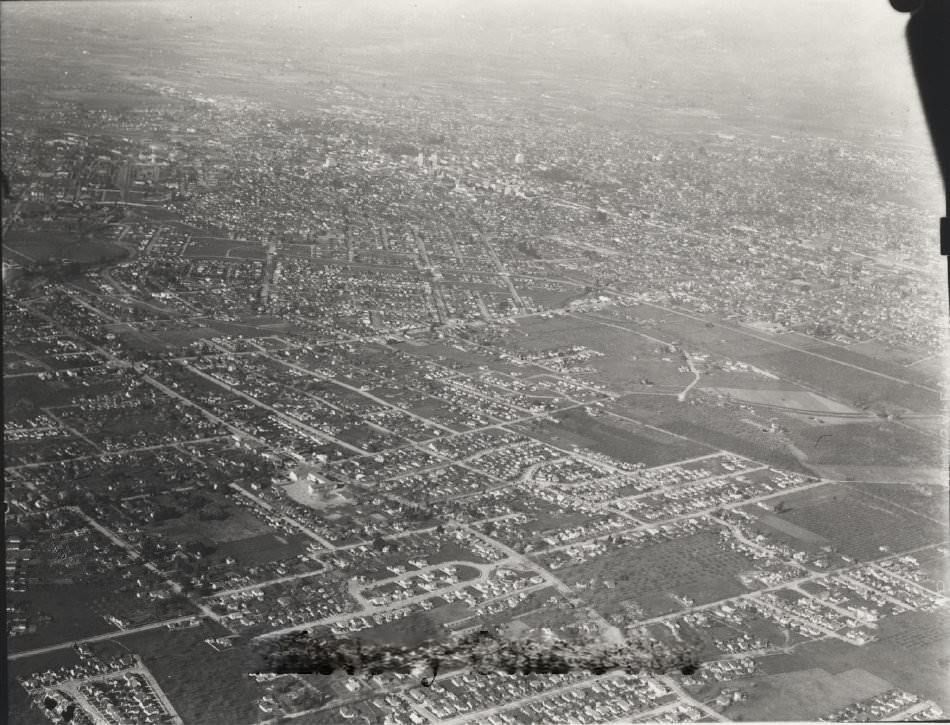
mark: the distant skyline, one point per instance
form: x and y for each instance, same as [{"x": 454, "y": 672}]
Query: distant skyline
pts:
[{"x": 851, "y": 50}]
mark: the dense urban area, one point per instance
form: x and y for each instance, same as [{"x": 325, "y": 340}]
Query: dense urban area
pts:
[{"x": 404, "y": 367}]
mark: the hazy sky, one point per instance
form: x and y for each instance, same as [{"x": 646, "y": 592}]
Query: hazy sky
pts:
[{"x": 846, "y": 55}]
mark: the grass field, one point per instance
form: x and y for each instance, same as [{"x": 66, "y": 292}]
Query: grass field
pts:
[
  {"x": 727, "y": 436},
  {"x": 873, "y": 356},
  {"x": 797, "y": 532},
  {"x": 860, "y": 389}
]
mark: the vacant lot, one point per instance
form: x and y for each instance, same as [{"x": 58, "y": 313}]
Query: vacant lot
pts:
[
  {"x": 191, "y": 673},
  {"x": 911, "y": 654},
  {"x": 795, "y": 399},
  {"x": 693, "y": 566},
  {"x": 805, "y": 694}
]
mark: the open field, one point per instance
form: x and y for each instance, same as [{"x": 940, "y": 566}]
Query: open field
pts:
[
  {"x": 40, "y": 246},
  {"x": 935, "y": 566},
  {"x": 797, "y": 400},
  {"x": 716, "y": 426},
  {"x": 408, "y": 631},
  {"x": 623, "y": 440},
  {"x": 20, "y": 708},
  {"x": 191, "y": 673},
  {"x": 927, "y": 500},
  {"x": 858, "y": 525},
  {"x": 692, "y": 566},
  {"x": 831, "y": 373},
  {"x": 797, "y": 532},
  {"x": 239, "y": 525},
  {"x": 873, "y": 356},
  {"x": 918, "y": 475},
  {"x": 804, "y": 694},
  {"x": 626, "y": 358},
  {"x": 262, "y": 548},
  {"x": 877, "y": 443},
  {"x": 911, "y": 653},
  {"x": 76, "y": 611}
]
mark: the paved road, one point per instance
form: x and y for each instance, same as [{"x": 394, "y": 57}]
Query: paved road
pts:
[
  {"x": 104, "y": 637},
  {"x": 782, "y": 585},
  {"x": 319, "y": 434},
  {"x": 685, "y": 697},
  {"x": 481, "y": 715},
  {"x": 905, "y": 715},
  {"x": 682, "y": 517}
]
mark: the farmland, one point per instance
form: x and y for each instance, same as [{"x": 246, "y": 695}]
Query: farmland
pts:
[
  {"x": 858, "y": 525},
  {"x": 616, "y": 438}
]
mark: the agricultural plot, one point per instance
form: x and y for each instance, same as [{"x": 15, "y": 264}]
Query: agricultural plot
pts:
[
  {"x": 857, "y": 525},
  {"x": 927, "y": 500},
  {"x": 881, "y": 443},
  {"x": 623, "y": 440},
  {"x": 873, "y": 356}
]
